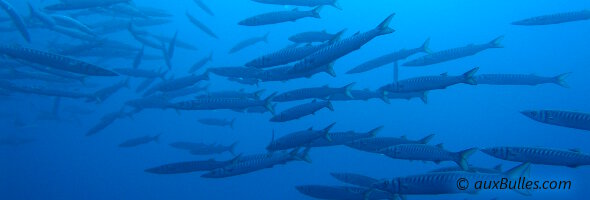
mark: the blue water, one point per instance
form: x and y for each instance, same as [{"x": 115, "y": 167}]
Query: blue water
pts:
[{"x": 65, "y": 164}]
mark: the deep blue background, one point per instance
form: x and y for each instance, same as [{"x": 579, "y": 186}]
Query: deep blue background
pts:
[{"x": 64, "y": 164}]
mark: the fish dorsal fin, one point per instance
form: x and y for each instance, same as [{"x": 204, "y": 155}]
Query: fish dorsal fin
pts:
[
  {"x": 575, "y": 150},
  {"x": 440, "y": 145},
  {"x": 445, "y": 74},
  {"x": 310, "y": 129},
  {"x": 357, "y": 33}
]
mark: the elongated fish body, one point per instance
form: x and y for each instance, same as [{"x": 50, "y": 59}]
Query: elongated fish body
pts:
[
  {"x": 248, "y": 164},
  {"x": 375, "y": 144},
  {"x": 248, "y": 42},
  {"x": 69, "y": 22},
  {"x": 447, "y": 182},
  {"x": 217, "y": 122},
  {"x": 139, "y": 141},
  {"x": 41, "y": 16},
  {"x": 199, "y": 64},
  {"x": 280, "y": 17},
  {"x": 302, "y": 110},
  {"x": 60, "y": 73},
  {"x": 77, "y": 5},
  {"x": 236, "y": 72},
  {"x": 453, "y": 54},
  {"x": 105, "y": 121},
  {"x": 408, "y": 95},
  {"x": 14, "y": 74},
  {"x": 211, "y": 103},
  {"x": 41, "y": 91},
  {"x": 362, "y": 95},
  {"x": 184, "y": 92},
  {"x": 104, "y": 93},
  {"x": 554, "y": 18},
  {"x": 139, "y": 73},
  {"x": 285, "y": 73},
  {"x": 342, "y": 138},
  {"x": 298, "y": 139},
  {"x": 390, "y": 58},
  {"x": 568, "y": 119},
  {"x": 16, "y": 19},
  {"x": 312, "y": 36},
  {"x": 308, "y": 3},
  {"x": 323, "y": 92},
  {"x": 176, "y": 84},
  {"x": 55, "y": 61},
  {"x": 343, "y": 192},
  {"x": 204, "y": 7},
  {"x": 201, "y": 26},
  {"x": 188, "y": 166},
  {"x": 355, "y": 179},
  {"x": 520, "y": 79},
  {"x": 236, "y": 94},
  {"x": 341, "y": 48},
  {"x": 74, "y": 33},
  {"x": 537, "y": 155},
  {"x": 289, "y": 54},
  {"x": 495, "y": 170},
  {"x": 427, "y": 83},
  {"x": 144, "y": 84},
  {"x": 189, "y": 145},
  {"x": 426, "y": 152}
]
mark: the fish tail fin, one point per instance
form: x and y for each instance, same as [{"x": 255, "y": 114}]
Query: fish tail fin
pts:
[
  {"x": 347, "y": 89},
  {"x": 462, "y": 157},
  {"x": 520, "y": 171},
  {"x": 496, "y": 42},
  {"x": 337, "y": 36},
  {"x": 258, "y": 93},
  {"x": 384, "y": 26},
  {"x": 268, "y": 103},
  {"x": 327, "y": 131},
  {"x": 424, "y": 97},
  {"x": 232, "y": 148},
  {"x": 468, "y": 76},
  {"x": 560, "y": 80},
  {"x": 336, "y": 5},
  {"x": 232, "y": 122},
  {"x": 383, "y": 96},
  {"x": 426, "y": 46},
  {"x": 316, "y": 12},
  {"x": 330, "y": 70},
  {"x": 305, "y": 155},
  {"x": 374, "y": 132},
  {"x": 329, "y": 105},
  {"x": 426, "y": 139}
]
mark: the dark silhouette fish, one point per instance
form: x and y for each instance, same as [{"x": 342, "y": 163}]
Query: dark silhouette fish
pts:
[
  {"x": 201, "y": 26},
  {"x": 191, "y": 166},
  {"x": 308, "y": 3},
  {"x": 390, "y": 58},
  {"x": 16, "y": 19},
  {"x": 355, "y": 179},
  {"x": 86, "y": 4},
  {"x": 280, "y": 17},
  {"x": 140, "y": 141},
  {"x": 554, "y": 18},
  {"x": 54, "y": 60},
  {"x": 343, "y": 192},
  {"x": 323, "y": 92},
  {"x": 427, "y": 83},
  {"x": 298, "y": 139},
  {"x": 199, "y": 64},
  {"x": 218, "y": 122},
  {"x": 342, "y": 138},
  {"x": 302, "y": 110},
  {"x": 248, "y": 42},
  {"x": 455, "y": 53},
  {"x": 576, "y": 120},
  {"x": 375, "y": 144},
  {"x": 204, "y": 7},
  {"x": 312, "y": 36},
  {"x": 520, "y": 79},
  {"x": 426, "y": 152},
  {"x": 537, "y": 155}
]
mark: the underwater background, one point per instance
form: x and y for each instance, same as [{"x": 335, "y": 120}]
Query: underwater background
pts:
[{"x": 63, "y": 163}]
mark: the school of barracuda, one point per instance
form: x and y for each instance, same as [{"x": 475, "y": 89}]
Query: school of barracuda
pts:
[{"x": 63, "y": 72}]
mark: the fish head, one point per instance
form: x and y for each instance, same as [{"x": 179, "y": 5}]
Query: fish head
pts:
[
  {"x": 536, "y": 115},
  {"x": 389, "y": 185},
  {"x": 497, "y": 152}
]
